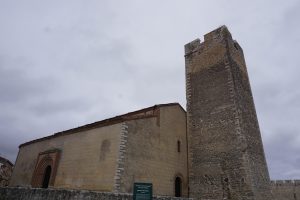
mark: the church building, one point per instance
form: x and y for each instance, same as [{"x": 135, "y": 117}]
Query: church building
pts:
[{"x": 213, "y": 150}]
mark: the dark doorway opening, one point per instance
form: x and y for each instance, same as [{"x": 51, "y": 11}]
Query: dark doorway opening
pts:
[
  {"x": 47, "y": 175},
  {"x": 178, "y": 184}
]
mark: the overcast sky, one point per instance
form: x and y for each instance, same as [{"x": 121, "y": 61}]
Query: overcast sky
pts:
[{"x": 67, "y": 63}]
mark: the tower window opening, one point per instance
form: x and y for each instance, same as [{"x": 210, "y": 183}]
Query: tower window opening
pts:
[{"x": 178, "y": 146}]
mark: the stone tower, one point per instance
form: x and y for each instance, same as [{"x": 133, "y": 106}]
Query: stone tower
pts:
[{"x": 226, "y": 156}]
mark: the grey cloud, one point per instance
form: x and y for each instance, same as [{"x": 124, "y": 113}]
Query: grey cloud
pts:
[
  {"x": 64, "y": 64},
  {"x": 283, "y": 154},
  {"x": 16, "y": 83}
]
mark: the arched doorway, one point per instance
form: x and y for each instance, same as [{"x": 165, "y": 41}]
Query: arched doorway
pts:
[
  {"x": 45, "y": 169},
  {"x": 178, "y": 185},
  {"x": 47, "y": 175}
]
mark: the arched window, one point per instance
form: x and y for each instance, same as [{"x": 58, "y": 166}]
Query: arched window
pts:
[
  {"x": 47, "y": 175},
  {"x": 178, "y": 145},
  {"x": 178, "y": 186}
]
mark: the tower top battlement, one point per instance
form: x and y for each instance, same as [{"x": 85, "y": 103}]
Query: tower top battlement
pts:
[
  {"x": 221, "y": 32},
  {"x": 216, "y": 35},
  {"x": 218, "y": 46}
]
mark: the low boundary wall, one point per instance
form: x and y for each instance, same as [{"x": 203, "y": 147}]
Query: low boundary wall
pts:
[
  {"x": 286, "y": 189},
  {"x": 10, "y": 193}
]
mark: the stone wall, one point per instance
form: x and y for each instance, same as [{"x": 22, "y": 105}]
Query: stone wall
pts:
[
  {"x": 286, "y": 189},
  {"x": 152, "y": 155},
  {"x": 6, "y": 168},
  {"x": 226, "y": 156},
  {"x": 55, "y": 194}
]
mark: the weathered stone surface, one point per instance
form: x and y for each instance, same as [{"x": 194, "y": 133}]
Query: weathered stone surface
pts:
[
  {"x": 6, "y": 168},
  {"x": 286, "y": 189},
  {"x": 56, "y": 194},
  {"x": 226, "y": 156}
]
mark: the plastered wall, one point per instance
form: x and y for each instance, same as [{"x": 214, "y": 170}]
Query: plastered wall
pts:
[
  {"x": 88, "y": 159},
  {"x": 143, "y": 147},
  {"x": 152, "y": 154}
]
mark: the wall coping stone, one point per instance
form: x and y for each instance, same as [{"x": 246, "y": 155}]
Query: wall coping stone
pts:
[{"x": 285, "y": 182}]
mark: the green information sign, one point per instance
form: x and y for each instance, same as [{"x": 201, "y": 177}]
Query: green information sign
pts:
[{"x": 142, "y": 191}]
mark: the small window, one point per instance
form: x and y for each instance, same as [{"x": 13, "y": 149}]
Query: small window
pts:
[{"x": 178, "y": 146}]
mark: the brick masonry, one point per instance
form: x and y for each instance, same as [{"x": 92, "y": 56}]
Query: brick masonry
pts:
[{"x": 226, "y": 156}]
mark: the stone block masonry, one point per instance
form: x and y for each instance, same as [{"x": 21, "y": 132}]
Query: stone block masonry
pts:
[
  {"x": 225, "y": 151},
  {"x": 121, "y": 157},
  {"x": 59, "y": 194},
  {"x": 286, "y": 189}
]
